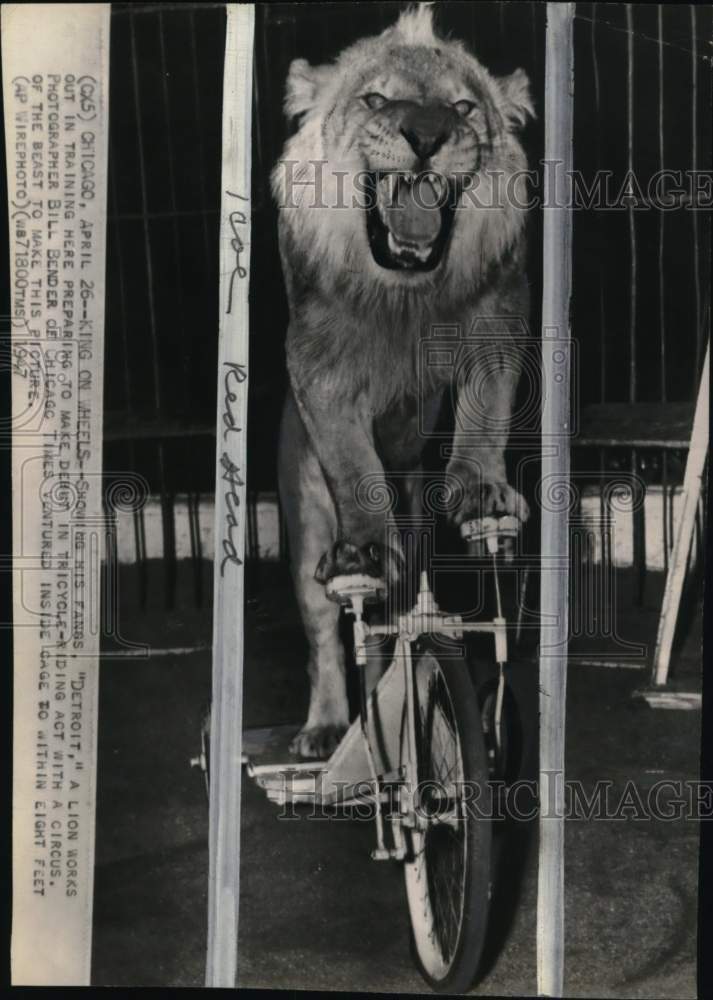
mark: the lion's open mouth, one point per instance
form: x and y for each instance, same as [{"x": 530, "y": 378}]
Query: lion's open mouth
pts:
[{"x": 408, "y": 219}]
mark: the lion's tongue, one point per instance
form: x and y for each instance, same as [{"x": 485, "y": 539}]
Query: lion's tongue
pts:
[{"x": 410, "y": 219}]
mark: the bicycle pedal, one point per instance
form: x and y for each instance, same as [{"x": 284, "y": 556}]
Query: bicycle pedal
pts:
[
  {"x": 342, "y": 589},
  {"x": 380, "y": 854},
  {"x": 487, "y": 528}
]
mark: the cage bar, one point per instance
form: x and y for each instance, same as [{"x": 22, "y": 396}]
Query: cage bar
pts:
[
  {"x": 230, "y": 495},
  {"x": 167, "y": 523},
  {"x": 199, "y": 128},
  {"x": 174, "y": 217},
  {"x": 554, "y": 572},
  {"x": 694, "y": 166},
  {"x": 662, "y": 215},
  {"x": 631, "y": 217},
  {"x": 114, "y": 228}
]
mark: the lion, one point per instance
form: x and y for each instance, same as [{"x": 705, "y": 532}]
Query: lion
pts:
[{"x": 392, "y": 223}]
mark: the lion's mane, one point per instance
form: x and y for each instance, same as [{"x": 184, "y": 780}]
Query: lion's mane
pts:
[{"x": 353, "y": 321}]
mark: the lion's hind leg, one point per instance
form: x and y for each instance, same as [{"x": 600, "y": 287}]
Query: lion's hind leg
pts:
[{"x": 312, "y": 528}]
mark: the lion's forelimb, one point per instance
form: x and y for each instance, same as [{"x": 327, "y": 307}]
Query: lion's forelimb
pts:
[
  {"x": 341, "y": 434},
  {"x": 484, "y": 409}
]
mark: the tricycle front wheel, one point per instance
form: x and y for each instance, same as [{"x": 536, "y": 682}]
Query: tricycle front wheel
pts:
[{"x": 447, "y": 871}]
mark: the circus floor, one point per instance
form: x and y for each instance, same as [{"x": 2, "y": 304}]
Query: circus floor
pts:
[{"x": 316, "y": 913}]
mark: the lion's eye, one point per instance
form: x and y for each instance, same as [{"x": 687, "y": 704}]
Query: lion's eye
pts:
[
  {"x": 374, "y": 101},
  {"x": 464, "y": 108}
]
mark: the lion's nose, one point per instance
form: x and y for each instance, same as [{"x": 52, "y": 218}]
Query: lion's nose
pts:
[
  {"x": 424, "y": 144},
  {"x": 425, "y": 130}
]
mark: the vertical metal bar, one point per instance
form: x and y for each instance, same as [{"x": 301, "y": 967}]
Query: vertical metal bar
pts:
[
  {"x": 554, "y": 629},
  {"x": 114, "y": 226},
  {"x": 153, "y": 329},
  {"x": 199, "y": 133},
  {"x": 193, "y": 508},
  {"x": 638, "y": 514},
  {"x": 632, "y": 218},
  {"x": 607, "y": 569},
  {"x": 662, "y": 215},
  {"x": 140, "y": 542},
  {"x": 595, "y": 62},
  {"x": 109, "y": 573},
  {"x": 178, "y": 284},
  {"x": 167, "y": 524},
  {"x": 252, "y": 586},
  {"x": 694, "y": 213},
  {"x": 638, "y": 517},
  {"x": 352, "y": 19},
  {"x": 473, "y": 20},
  {"x": 675, "y": 487},
  {"x": 664, "y": 495},
  {"x": 603, "y": 518},
  {"x": 258, "y": 143},
  {"x": 604, "y": 548},
  {"x": 231, "y": 460},
  {"x": 271, "y": 123},
  {"x": 598, "y": 126},
  {"x": 167, "y": 503},
  {"x": 284, "y": 545}
]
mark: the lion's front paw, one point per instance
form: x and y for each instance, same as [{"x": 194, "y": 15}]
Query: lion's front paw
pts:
[
  {"x": 484, "y": 499},
  {"x": 376, "y": 560},
  {"x": 317, "y": 741}
]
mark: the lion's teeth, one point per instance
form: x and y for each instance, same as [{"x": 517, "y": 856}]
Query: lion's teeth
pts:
[
  {"x": 437, "y": 184},
  {"x": 387, "y": 189},
  {"x": 399, "y": 249}
]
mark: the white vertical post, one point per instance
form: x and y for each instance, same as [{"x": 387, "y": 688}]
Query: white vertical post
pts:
[
  {"x": 557, "y": 279},
  {"x": 231, "y": 455},
  {"x": 56, "y": 106},
  {"x": 692, "y": 487}
]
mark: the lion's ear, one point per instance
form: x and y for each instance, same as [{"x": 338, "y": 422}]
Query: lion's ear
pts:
[
  {"x": 303, "y": 86},
  {"x": 517, "y": 104}
]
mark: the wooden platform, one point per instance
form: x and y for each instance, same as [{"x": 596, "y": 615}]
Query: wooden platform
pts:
[
  {"x": 636, "y": 425},
  {"x": 690, "y": 701}
]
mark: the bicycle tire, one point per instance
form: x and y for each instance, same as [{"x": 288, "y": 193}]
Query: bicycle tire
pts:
[
  {"x": 504, "y": 762},
  {"x": 446, "y": 950},
  {"x": 205, "y": 748}
]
